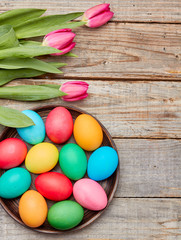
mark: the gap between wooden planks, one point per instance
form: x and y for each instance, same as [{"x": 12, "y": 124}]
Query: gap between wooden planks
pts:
[{"x": 125, "y": 10}]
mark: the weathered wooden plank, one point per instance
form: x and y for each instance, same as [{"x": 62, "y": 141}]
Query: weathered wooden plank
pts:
[
  {"x": 125, "y": 10},
  {"x": 149, "y": 168},
  {"x": 124, "y": 219},
  {"x": 127, "y": 109},
  {"x": 126, "y": 51}
]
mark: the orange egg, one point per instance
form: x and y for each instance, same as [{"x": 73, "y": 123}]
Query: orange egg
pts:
[
  {"x": 87, "y": 132},
  {"x": 33, "y": 208}
]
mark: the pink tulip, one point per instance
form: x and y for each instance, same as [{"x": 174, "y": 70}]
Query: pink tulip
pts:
[
  {"x": 97, "y": 15},
  {"x": 61, "y": 39},
  {"x": 76, "y": 90}
]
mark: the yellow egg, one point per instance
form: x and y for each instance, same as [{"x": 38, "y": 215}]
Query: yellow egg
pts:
[
  {"x": 41, "y": 158},
  {"x": 87, "y": 132},
  {"x": 33, "y": 208}
]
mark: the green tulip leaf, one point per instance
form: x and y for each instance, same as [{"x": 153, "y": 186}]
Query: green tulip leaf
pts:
[
  {"x": 70, "y": 54},
  {"x": 43, "y": 25},
  {"x": 13, "y": 118},
  {"x": 8, "y": 37},
  {"x": 56, "y": 86},
  {"x": 32, "y": 63},
  {"x": 30, "y": 92},
  {"x": 18, "y": 16},
  {"x": 29, "y": 51},
  {"x": 26, "y": 43},
  {"x": 70, "y": 25},
  {"x": 8, "y": 75}
]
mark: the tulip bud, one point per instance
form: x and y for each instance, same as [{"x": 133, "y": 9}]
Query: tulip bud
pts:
[
  {"x": 61, "y": 39},
  {"x": 97, "y": 15},
  {"x": 76, "y": 90}
]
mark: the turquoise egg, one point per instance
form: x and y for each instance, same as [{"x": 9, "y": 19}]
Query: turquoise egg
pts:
[
  {"x": 33, "y": 134},
  {"x": 14, "y": 182},
  {"x": 102, "y": 163}
]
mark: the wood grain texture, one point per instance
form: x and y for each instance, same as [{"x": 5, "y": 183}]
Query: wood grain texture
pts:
[
  {"x": 149, "y": 168},
  {"x": 133, "y": 67},
  {"x": 125, "y": 10},
  {"x": 124, "y": 51},
  {"x": 150, "y": 219},
  {"x": 128, "y": 109}
]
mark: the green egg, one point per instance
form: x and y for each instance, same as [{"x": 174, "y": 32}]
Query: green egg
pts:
[
  {"x": 73, "y": 161},
  {"x": 65, "y": 215}
]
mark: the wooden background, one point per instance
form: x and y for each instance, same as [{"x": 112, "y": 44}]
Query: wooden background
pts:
[{"x": 133, "y": 66}]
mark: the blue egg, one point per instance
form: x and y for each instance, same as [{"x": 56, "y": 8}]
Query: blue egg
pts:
[
  {"x": 33, "y": 134},
  {"x": 102, "y": 163},
  {"x": 14, "y": 182}
]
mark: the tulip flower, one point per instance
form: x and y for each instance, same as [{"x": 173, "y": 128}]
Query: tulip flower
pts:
[
  {"x": 97, "y": 15},
  {"x": 76, "y": 90},
  {"x": 61, "y": 39}
]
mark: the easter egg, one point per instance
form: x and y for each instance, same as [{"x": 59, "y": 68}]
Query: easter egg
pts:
[
  {"x": 33, "y": 208},
  {"x": 87, "y": 132},
  {"x": 102, "y": 163},
  {"x": 54, "y": 186},
  {"x": 41, "y": 158},
  {"x": 89, "y": 194},
  {"x": 73, "y": 161},
  {"x": 14, "y": 182},
  {"x": 33, "y": 134},
  {"x": 12, "y": 152},
  {"x": 59, "y": 125},
  {"x": 65, "y": 215}
]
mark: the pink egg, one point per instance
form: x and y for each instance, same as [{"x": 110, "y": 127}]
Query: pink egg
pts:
[
  {"x": 12, "y": 152},
  {"x": 90, "y": 194},
  {"x": 59, "y": 125}
]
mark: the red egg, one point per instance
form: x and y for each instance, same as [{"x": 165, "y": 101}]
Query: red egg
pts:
[
  {"x": 59, "y": 125},
  {"x": 54, "y": 186},
  {"x": 12, "y": 152}
]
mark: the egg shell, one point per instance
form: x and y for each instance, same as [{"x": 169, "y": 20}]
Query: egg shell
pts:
[
  {"x": 73, "y": 161},
  {"x": 87, "y": 132},
  {"x": 12, "y": 153},
  {"x": 33, "y": 208},
  {"x": 54, "y": 186},
  {"x": 33, "y": 134},
  {"x": 65, "y": 215},
  {"x": 59, "y": 125},
  {"x": 42, "y": 158},
  {"x": 14, "y": 182},
  {"x": 90, "y": 194},
  {"x": 102, "y": 163}
]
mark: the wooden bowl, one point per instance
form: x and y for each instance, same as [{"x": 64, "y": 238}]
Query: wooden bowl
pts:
[{"x": 109, "y": 185}]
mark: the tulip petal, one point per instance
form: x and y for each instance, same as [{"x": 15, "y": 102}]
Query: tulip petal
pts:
[
  {"x": 75, "y": 90},
  {"x": 75, "y": 98},
  {"x": 60, "y": 40},
  {"x": 94, "y": 11},
  {"x": 58, "y": 31},
  {"x": 100, "y": 20},
  {"x": 65, "y": 50},
  {"x": 76, "y": 82}
]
